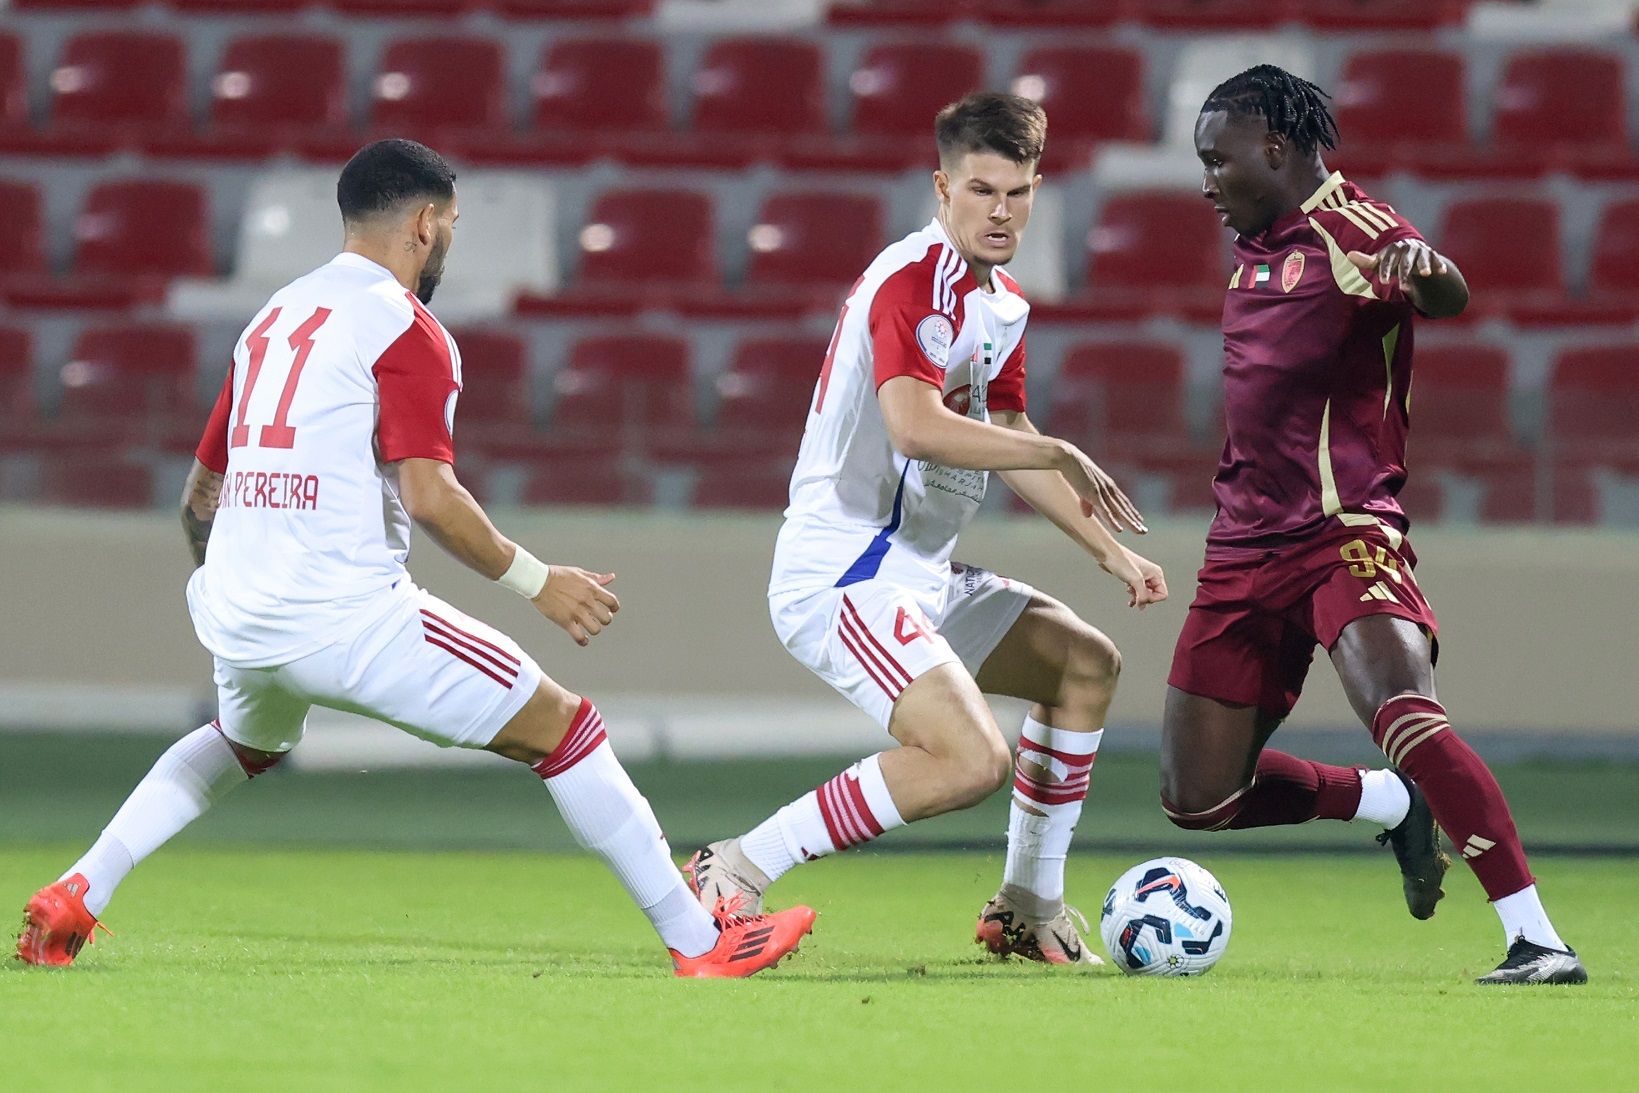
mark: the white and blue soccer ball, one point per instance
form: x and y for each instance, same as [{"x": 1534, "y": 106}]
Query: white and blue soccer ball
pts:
[{"x": 1166, "y": 916}]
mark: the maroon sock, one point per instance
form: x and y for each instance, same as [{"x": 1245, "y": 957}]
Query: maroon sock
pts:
[
  {"x": 1413, "y": 732},
  {"x": 1289, "y": 790}
]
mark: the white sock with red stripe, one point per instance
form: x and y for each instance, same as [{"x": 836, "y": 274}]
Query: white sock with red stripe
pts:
[
  {"x": 191, "y": 776},
  {"x": 1037, "y": 845},
  {"x": 852, "y": 808},
  {"x": 609, "y": 817}
]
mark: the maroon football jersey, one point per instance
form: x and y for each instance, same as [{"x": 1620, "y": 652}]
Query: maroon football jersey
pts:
[{"x": 1317, "y": 375}]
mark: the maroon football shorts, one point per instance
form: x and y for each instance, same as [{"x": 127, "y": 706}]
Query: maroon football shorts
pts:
[{"x": 1258, "y": 613}]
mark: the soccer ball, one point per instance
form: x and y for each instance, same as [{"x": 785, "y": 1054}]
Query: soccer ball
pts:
[{"x": 1166, "y": 916}]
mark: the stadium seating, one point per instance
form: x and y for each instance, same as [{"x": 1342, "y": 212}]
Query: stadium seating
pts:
[
  {"x": 588, "y": 89},
  {"x": 639, "y": 248},
  {"x": 19, "y": 409},
  {"x": 625, "y": 387},
  {"x": 1614, "y": 271},
  {"x": 807, "y": 246},
  {"x": 1120, "y": 397},
  {"x": 1383, "y": 107},
  {"x": 270, "y": 90},
  {"x": 1593, "y": 401},
  {"x": 1155, "y": 253},
  {"x": 25, "y": 220},
  {"x": 13, "y": 87},
  {"x": 1509, "y": 251},
  {"x": 131, "y": 382},
  {"x": 1090, "y": 94},
  {"x": 114, "y": 88},
  {"x": 766, "y": 86},
  {"x": 1556, "y": 108},
  {"x": 441, "y": 89},
  {"x": 765, "y": 392},
  {"x": 97, "y": 479},
  {"x": 585, "y": 480},
  {"x": 494, "y": 380}
]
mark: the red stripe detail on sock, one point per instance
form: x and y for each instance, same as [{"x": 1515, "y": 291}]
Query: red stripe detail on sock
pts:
[
  {"x": 828, "y": 813},
  {"x": 1070, "y": 758},
  {"x": 585, "y": 736},
  {"x": 856, "y": 794}
]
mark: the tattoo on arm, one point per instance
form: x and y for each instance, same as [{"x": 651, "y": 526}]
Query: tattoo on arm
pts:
[{"x": 199, "y": 510}]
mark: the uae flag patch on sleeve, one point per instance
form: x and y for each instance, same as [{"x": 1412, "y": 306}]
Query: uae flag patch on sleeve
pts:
[{"x": 1260, "y": 274}]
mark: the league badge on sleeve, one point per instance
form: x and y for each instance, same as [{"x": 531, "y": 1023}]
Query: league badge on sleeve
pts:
[
  {"x": 934, "y": 336},
  {"x": 1291, "y": 271}
]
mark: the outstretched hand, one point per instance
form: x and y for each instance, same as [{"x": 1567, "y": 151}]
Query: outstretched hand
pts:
[
  {"x": 1100, "y": 497},
  {"x": 577, "y": 600},
  {"x": 1400, "y": 261}
]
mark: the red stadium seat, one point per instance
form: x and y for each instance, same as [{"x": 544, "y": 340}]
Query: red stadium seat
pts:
[
  {"x": 585, "y": 480},
  {"x": 1091, "y": 94},
  {"x": 143, "y": 228},
  {"x": 636, "y": 387},
  {"x": 1460, "y": 400},
  {"x": 900, "y": 86},
  {"x": 494, "y": 380},
  {"x": 639, "y": 241},
  {"x": 765, "y": 393},
  {"x": 1509, "y": 251},
  {"x": 1125, "y": 397},
  {"x": 597, "y": 86},
  {"x": 366, "y": 9},
  {"x": 1383, "y": 106},
  {"x": 111, "y": 87},
  {"x": 750, "y": 483},
  {"x": 13, "y": 85},
  {"x": 766, "y": 86},
  {"x": 914, "y": 13},
  {"x": 132, "y": 381},
  {"x": 19, "y": 409},
  {"x": 1157, "y": 253},
  {"x": 814, "y": 239},
  {"x": 1069, "y": 14},
  {"x": 1594, "y": 400},
  {"x": 25, "y": 223},
  {"x": 101, "y": 480},
  {"x": 280, "y": 83},
  {"x": 74, "y": 5},
  {"x": 1614, "y": 275},
  {"x": 241, "y": 7},
  {"x": 1219, "y": 14},
  {"x": 1358, "y": 15},
  {"x": 1555, "y": 106},
  {"x": 574, "y": 9},
  {"x": 443, "y": 85}
]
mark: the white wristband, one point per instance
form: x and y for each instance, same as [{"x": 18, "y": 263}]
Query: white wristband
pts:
[{"x": 526, "y": 575}]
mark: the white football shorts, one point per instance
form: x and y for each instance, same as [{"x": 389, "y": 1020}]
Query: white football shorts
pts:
[
  {"x": 426, "y": 668},
  {"x": 870, "y": 639}
]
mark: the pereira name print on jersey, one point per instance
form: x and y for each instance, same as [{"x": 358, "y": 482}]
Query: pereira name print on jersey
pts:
[
  {"x": 341, "y": 375},
  {"x": 859, "y": 509}
]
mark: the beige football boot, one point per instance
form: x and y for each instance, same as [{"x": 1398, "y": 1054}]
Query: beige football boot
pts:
[
  {"x": 1006, "y": 929},
  {"x": 721, "y": 871}
]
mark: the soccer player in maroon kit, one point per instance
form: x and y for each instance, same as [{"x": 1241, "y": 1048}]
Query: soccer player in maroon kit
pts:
[{"x": 1309, "y": 543}]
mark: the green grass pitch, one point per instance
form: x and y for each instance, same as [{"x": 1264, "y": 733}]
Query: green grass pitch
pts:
[{"x": 357, "y": 970}]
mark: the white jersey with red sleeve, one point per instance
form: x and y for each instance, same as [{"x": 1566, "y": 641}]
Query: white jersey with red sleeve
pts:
[
  {"x": 859, "y": 509},
  {"x": 340, "y": 375}
]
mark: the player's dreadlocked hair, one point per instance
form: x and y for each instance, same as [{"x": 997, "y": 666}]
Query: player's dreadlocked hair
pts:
[{"x": 1292, "y": 106}]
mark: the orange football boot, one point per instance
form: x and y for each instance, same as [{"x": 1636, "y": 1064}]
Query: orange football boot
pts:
[
  {"x": 747, "y": 943},
  {"x": 56, "y": 924}
]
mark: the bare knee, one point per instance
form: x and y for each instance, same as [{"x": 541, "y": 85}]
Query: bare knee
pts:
[
  {"x": 536, "y": 730},
  {"x": 1092, "y": 667}
]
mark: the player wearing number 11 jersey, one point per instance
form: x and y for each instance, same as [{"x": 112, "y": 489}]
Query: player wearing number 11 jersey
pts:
[
  {"x": 922, "y": 394},
  {"x": 333, "y": 431},
  {"x": 1309, "y": 544}
]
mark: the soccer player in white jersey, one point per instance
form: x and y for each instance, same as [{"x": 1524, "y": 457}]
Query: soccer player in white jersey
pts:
[
  {"x": 331, "y": 434},
  {"x": 921, "y": 395}
]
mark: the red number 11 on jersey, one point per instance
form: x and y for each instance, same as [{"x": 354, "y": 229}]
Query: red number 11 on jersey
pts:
[{"x": 280, "y": 434}]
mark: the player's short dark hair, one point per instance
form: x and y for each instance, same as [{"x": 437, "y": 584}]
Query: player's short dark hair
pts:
[
  {"x": 1011, "y": 126},
  {"x": 384, "y": 175},
  {"x": 1289, "y": 105}
]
